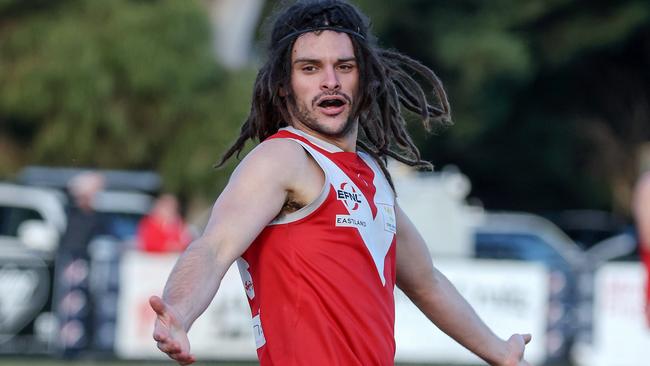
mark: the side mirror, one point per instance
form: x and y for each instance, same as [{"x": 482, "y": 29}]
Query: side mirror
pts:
[{"x": 38, "y": 235}]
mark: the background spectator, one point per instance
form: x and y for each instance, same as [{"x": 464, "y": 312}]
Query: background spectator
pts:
[
  {"x": 71, "y": 298},
  {"x": 163, "y": 229}
]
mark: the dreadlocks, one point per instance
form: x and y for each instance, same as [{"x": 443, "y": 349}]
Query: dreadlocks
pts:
[{"x": 386, "y": 85}]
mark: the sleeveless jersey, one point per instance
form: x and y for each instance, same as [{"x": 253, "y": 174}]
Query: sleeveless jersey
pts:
[{"x": 320, "y": 280}]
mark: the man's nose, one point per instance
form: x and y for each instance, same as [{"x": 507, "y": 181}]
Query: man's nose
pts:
[{"x": 330, "y": 80}]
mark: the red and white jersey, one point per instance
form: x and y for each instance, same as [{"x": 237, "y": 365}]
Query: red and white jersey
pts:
[{"x": 320, "y": 280}]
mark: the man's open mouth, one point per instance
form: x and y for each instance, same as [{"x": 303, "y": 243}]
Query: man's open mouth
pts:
[
  {"x": 327, "y": 103},
  {"x": 332, "y": 105}
]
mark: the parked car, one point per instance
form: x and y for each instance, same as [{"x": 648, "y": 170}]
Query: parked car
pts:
[
  {"x": 32, "y": 220},
  {"x": 116, "y": 180},
  {"x": 127, "y": 197},
  {"x": 588, "y": 227},
  {"x": 528, "y": 237},
  {"x": 36, "y": 213},
  {"x": 31, "y": 223}
]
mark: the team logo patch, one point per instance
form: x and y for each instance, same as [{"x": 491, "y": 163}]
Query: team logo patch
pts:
[
  {"x": 349, "y": 196},
  {"x": 246, "y": 277}
]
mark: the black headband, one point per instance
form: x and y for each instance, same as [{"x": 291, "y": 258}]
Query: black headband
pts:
[
  {"x": 314, "y": 16},
  {"x": 317, "y": 29}
]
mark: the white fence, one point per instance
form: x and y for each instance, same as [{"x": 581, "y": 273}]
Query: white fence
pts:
[{"x": 509, "y": 296}]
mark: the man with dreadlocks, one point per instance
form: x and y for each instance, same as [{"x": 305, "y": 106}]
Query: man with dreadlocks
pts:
[{"x": 310, "y": 214}]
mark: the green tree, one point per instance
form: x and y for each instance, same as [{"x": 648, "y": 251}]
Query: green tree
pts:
[
  {"x": 116, "y": 84},
  {"x": 550, "y": 98}
]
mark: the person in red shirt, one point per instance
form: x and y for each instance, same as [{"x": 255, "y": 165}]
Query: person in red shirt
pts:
[
  {"x": 163, "y": 229},
  {"x": 310, "y": 214}
]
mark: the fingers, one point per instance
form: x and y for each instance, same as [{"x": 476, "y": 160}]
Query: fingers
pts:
[
  {"x": 164, "y": 312},
  {"x": 161, "y": 331},
  {"x": 165, "y": 341},
  {"x": 161, "y": 327},
  {"x": 157, "y": 305},
  {"x": 520, "y": 338},
  {"x": 185, "y": 359},
  {"x": 182, "y": 358},
  {"x": 169, "y": 347},
  {"x": 161, "y": 336},
  {"x": 174, "y": 351}
]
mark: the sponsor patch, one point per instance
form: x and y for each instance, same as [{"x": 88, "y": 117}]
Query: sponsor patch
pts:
[
  {"x": 349, "y": 221},
  {"x": 388, "y": 213}
]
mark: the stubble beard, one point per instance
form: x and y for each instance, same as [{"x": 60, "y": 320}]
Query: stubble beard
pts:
[{"x": 306, "y": 116}]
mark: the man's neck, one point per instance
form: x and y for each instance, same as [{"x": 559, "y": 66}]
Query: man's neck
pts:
[{"x": 347, "y": 142}]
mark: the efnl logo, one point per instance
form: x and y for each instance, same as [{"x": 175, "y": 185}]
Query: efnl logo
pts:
[{"x": 351, "y": 199}]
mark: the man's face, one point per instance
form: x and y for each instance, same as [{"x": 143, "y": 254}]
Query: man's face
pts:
[{"x": 324, "y": 82}]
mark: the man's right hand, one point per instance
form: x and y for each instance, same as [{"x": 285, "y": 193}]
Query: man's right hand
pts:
[{"x": 170, "y": 333}]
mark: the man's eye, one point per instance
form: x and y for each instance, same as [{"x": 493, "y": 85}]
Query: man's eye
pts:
[
  {"x": 346, "y": 67},
  {"x": 309, "y": 68}
]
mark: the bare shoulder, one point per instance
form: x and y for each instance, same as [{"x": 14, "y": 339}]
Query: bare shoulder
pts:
[
  {"x": 280, "y": 149},
  {"x": 276, "y": 159}
]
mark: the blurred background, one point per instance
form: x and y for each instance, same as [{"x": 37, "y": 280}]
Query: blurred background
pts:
[{"x": 135, "y": 100}]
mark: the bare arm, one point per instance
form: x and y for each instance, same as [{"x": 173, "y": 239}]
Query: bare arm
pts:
[
  {"x": 439, "y": 300},
  {"x": 254, "y": 195}
]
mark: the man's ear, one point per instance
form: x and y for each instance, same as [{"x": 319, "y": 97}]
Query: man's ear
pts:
[{"x": 282, "y": 92}]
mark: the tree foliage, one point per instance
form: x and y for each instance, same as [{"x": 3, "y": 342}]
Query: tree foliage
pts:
[
  {"x": 116, "y": 84},
  {"x": 550, "y": 98}
]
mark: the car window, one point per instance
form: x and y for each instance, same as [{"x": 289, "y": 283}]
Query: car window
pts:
[
  {"x": 11, "y": 218},
  {"x": 525, "y": 247},
  {"x": 123, "y": 226}
]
